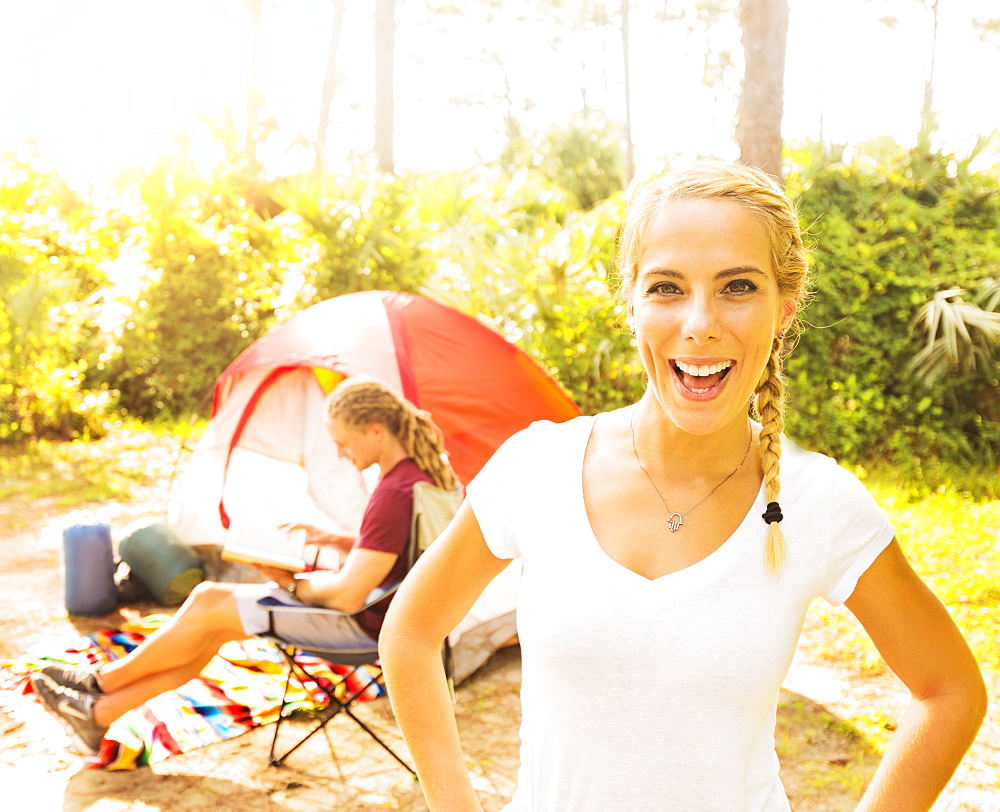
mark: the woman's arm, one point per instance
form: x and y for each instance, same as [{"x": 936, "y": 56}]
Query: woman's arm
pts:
[
  {"x": 921, "y": 644},
  {"x": 432, "y": 601}
]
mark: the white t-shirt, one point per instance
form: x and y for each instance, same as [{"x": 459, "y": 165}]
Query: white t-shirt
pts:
[{"x": 660, "y": 694}]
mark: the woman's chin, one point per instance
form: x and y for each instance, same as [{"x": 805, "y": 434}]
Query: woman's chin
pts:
[{"x": 702, "y": 413}]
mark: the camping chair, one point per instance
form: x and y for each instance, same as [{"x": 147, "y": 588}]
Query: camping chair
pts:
[{"x": 433, "y": 508}]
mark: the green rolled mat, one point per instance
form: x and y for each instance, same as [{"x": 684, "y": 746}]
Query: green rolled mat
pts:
[{"x": 166, "y": 566}]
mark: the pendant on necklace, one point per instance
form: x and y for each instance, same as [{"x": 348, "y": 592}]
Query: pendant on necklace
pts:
[{"x": 675, "y": 521}]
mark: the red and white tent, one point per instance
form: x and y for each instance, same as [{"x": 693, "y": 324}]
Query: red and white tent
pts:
[
  {"x": 479, "y": 388},
  {"x": 266, "y": 457}
]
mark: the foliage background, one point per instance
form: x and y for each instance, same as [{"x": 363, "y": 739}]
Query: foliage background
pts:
[
  {"x": 887, "y": 235},
  {"x": 133, "y": 306}
]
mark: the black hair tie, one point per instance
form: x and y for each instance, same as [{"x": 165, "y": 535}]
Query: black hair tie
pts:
[{"x": 773, "y": 513}]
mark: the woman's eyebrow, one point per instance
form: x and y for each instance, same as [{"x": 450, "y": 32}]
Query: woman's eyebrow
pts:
[{"x": 739, "y": 270}]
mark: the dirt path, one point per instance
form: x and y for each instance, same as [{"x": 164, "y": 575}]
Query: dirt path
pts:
[{"x": 825, "y": 762}]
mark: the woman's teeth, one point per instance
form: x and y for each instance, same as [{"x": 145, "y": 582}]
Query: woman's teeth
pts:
[
  {"x": 702, "y": 378},
  {"x": 702, "y": 371}
]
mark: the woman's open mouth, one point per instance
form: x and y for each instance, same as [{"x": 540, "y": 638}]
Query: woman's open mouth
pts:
[{"x": 699, "y": 379}]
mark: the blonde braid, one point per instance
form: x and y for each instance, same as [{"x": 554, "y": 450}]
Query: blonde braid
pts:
[
  {"x": 361, "y": 400},
  {"x": 766, "y": 201},
  {"x": 769, "y": 404}
]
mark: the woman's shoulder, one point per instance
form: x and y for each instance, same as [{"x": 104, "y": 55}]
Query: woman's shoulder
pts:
[
  {"x": 548, "y": 431},
  {"x": 540, "y": 444},
  {"x": 816, "y": 473},
  {"x": 795, "y": 456}
]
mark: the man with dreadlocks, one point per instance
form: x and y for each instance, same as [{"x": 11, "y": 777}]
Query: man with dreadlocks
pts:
[{"x": 370, "y": 425}]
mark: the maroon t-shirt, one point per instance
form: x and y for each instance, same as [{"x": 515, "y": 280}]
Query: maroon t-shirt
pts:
[{"x": 385, "y": 526}]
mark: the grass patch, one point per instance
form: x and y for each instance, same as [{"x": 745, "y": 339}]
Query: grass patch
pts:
[
  {"x": 952, "y": 539},
  {"x": 824, "y": 758},
  {"x": 71, "y": 474},
  {"x": 951, "y": 536},
  {"x": 920, "y": 479}
]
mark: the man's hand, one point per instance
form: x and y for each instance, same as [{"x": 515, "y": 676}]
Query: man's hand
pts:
[
  {"x": 319, "y": 537},
  {"x": 281, "y": 577}
]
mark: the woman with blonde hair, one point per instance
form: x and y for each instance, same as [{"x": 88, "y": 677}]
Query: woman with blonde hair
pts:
[
  {"x": 674, "y": 547},
  {"x": 370, "y": 425}
]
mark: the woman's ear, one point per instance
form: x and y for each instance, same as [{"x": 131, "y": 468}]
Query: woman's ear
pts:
[{"x": 790, "y": 306}]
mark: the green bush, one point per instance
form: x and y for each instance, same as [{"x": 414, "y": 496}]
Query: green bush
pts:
[
  {"x": 520, "y": 257},
  {"x": 586, "y": 157},
  {"x": 358, "y": 232},
  {"x": 211, "y": 271},
  {"x": 52, "y": 247},
  {"x": 886, "y": 239}
]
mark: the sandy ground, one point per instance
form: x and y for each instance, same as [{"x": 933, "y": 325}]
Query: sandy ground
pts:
[{"x": 825, "y": 762}]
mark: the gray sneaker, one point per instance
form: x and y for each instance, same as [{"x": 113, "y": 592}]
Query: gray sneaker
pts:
[
  {"x": 79, "y": 679},
  {"x": 75, "y": 709}
]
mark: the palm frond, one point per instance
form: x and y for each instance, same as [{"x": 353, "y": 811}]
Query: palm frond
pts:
[{"x": 959, "y": 334}]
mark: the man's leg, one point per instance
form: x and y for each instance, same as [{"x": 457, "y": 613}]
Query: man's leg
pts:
[
  {"x": 175, "y": 653},
  {"x": 110, "y": 706}
]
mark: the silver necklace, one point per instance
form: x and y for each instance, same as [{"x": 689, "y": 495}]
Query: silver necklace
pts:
[{"x": 677, "y": 519}]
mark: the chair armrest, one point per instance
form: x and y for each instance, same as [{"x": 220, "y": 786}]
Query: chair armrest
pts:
[
  {"x": 378, "y": 594},
  {"x": 274, "y": 604},
  {"x": 276, "y": 607}
]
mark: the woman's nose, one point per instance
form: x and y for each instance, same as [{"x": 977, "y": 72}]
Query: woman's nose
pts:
[{"x": 701, "y": 320}]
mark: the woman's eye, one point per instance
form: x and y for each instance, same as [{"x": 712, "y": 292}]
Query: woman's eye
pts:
[
  {"x": 741, "y": 286},
  {"x": 662, "y": 288}
]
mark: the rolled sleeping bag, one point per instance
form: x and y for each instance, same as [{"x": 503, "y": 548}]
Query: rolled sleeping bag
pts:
[
  {"x": 88, "y": 566},
  {"x": 166, "y": 566}
]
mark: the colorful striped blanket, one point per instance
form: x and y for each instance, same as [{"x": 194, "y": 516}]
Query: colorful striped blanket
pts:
[{"x": 239, "y": 689}]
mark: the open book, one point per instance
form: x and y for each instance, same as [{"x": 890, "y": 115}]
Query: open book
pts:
[
  {"x": 261, "y": 510},
  {"x": 284, "y": 550}
]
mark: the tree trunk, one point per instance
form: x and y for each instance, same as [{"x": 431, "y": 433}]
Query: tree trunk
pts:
[
  {"x": 329, "y": 83},
  {"x": 629, "y": 146},
  {"x": 256, "y": 9},
  {"x": 928, "y": 121},
  {"x": 385, "y": 39},
  {"x": 758, "y": 117}
]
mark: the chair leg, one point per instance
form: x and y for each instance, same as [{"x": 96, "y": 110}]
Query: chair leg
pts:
[
  {"x": 273, "y": 760},
  {"x": 384, "y": 746},
  {"x": 334, "y": 707},
  {"x": 449, "y": 669}
]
